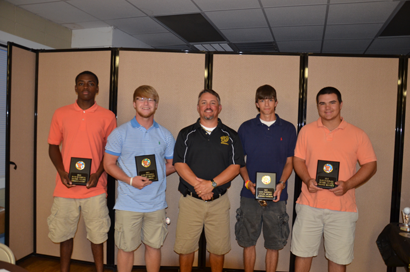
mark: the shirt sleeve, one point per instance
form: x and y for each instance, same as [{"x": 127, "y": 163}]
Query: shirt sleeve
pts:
[
  {"x": 55, "y": 136},
  {"x": 300, "y": 149},
  {"x": 112, "y": 124},
  {"x": 242, "y": 138},
  {"x": 365, "y": 152},
  {"x": 179, "y": 149},
  {"x": 292, "y": 141},
  {"x": 169, "y": 152},
  {"x": 114, "y": 143},
  {"x": 238, "y": 155}
]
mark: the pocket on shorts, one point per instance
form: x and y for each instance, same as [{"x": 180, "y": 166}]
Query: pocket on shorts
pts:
[
  {"x": 118, "y": 235},
  {"x": 51, "y": 220},
  {"x": 239, "y": 223},
  {"x": 164, "y": 231},
  {"x": 284, "y": 220}
]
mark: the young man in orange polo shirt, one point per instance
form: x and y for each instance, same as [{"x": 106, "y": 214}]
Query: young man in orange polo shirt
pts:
[
  {"x": 82, "y": 129},
  {"x": 329, "y": 212}
]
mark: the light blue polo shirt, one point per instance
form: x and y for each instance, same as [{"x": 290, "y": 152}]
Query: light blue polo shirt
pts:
[{"x": 130, "y": 140}]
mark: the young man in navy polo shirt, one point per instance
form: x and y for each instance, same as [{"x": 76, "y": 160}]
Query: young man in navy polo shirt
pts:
[{"x": 268, "y": 143}]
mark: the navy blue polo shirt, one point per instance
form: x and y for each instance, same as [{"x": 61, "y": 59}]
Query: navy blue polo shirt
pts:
[
  {"x": 207, "y": 155},
  {"x": 267, "y": 148}
]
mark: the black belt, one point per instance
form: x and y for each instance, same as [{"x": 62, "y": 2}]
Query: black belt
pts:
[{"x": 195, "y": 195}]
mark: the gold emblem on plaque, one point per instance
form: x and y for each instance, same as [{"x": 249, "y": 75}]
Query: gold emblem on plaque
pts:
[{"x": 266, "y": 180}]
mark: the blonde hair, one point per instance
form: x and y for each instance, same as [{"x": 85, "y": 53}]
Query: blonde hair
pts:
[{"x": 146, "y": 91}]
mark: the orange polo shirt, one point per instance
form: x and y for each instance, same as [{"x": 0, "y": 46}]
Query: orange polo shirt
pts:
[
  {"x": 346, "y": 144},
  {"x": 83, "y": 134}
]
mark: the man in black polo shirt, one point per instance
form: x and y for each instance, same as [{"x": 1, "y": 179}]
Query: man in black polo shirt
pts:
[{"x": 207, "y": 156}]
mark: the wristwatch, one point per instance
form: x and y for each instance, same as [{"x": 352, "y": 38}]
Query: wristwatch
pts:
[
  {"x": 283, "y": 183},
  {"x": 213, "y": 183}
]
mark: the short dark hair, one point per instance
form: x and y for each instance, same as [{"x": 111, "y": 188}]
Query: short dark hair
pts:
[
  {"x": 265, "y": 92},
  {"x": 86, "y": 73},
  {"x": 329, "y": 90},
  {"x": 211, "y": 92}
]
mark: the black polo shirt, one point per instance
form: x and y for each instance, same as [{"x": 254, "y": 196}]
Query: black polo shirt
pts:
[{"x": 207, "y": 155}]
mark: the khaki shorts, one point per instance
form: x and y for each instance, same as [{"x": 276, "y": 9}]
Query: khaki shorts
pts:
[
  {"x": 196, "y": 214},
  {"x": 133, "y": 227},
  {"x": 65, "y": 213},
  {"x": 338, "y": 229}
]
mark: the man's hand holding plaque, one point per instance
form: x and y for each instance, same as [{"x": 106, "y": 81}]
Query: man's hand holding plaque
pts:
[
  {"x": 327, "y": 174},
  {"x": 147, "y": 167},
  {"x": 265, "y": 186},
  {"x": 79, "y": 171}
]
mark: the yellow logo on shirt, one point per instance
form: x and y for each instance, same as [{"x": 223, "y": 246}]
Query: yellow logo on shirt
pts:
[{"x": 224, "y": 140}]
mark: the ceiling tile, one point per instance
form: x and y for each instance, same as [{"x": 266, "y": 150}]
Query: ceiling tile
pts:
[
  {"x": 389, "y": 51},
  {"x": 289, "y": 3},
  {"x": 345, "y": 46},
  {"x": 249, "y": 18},
  {"x": 359, "y": 31},
  {"x": 257, "y": 47},
  {"x": 25, "y": 2},
  {"x": 160, "y": 7},
  {"x": 83, "y": 25},
  {"x": 59, "y": 12},
  {"x": 248, "y": 35},
  {"x": 180, "y": 47},
  {"x": 140, "y": 25},
  {"x": 107, "y": 9},
  {"x": 384, "y": 43},
  {"x": 298, "y": 33},
  {"x": 358, "y": 1},
  {"x": 159, "y": 39},
  {"x": 213, "y": 5},
  {"x": 371, "y": 12},
  {"x": 300, "y": 46},
  {"x": 296, "y": 16}
]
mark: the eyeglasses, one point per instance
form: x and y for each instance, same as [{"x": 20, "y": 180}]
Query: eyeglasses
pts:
[{"x": 143, "y": 99}]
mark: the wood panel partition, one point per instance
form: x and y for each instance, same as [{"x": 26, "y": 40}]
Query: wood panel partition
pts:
[
  {"x": 56, "y": 81},
  {"x": 21, "y": 185},
  {"x": 236, "y": 78},
  {"x": 369, "y": 93}
]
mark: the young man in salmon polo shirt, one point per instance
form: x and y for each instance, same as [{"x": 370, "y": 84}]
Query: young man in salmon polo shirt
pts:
[
  {"x": 329, "y": 212},
  {"x": 82, "y": 129},
  {"x": 140, "y": 205}
]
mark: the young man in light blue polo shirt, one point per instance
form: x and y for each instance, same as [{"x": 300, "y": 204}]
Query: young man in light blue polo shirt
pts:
[{"x": 140, "y": 205}]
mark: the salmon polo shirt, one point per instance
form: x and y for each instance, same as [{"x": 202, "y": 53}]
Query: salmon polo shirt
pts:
[
  {"x": 346, "y": 144},
  {"x": 83, "y": 134}
]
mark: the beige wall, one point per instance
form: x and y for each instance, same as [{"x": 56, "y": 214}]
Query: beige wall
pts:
[
  {"x": 236, "y": 78},
  {"x": 369, "y": 88},
  {"x": 24, "y": 24}
]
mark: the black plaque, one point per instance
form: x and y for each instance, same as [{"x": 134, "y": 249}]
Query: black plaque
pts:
[
  {"x": 327, "y": 174},
  {"x": 147, "y": 167},
  {"x": 265, "y": 186},
  {"x": 79, "y": 171}
]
